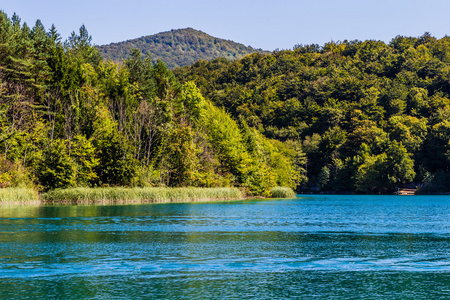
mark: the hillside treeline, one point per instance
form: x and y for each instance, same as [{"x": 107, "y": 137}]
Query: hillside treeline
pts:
[
  {"x": 67, "y": 118},
  {"x": 370, "y": 116}
]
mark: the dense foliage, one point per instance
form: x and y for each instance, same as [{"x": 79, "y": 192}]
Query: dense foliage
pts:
[
  {"x": 177, "y": 48},
  {"x": 68, "y": 119},
  {"x": 370, "y": 116}
]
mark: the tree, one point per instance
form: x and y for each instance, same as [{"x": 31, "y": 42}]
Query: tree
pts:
[
  {"x": 84, "y": 154},
  {"x": 384, "y": 172},
  {"x": 323, "y": 177},
  {"x": 117, "y": 165},
  {"x": 57, "y": 169},
  {"x": 80, "y": 45},
  {"x": 436, "y": 148}
]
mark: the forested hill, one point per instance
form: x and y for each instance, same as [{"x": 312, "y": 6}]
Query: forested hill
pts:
[
  {"x": 177, "y": 48},
  {"x": 370, "y": 115}
]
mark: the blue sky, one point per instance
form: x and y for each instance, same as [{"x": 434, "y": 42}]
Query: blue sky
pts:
[{"x": 261, "y": 24}]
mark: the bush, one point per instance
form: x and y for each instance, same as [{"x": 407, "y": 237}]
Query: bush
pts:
[{"x": 282, "y": 192}]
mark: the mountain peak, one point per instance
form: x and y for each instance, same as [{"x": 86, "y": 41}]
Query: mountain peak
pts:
[{"x": 178, "y": 47}]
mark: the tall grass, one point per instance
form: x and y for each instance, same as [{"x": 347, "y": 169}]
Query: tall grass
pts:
[
  {"x": 140, "y": 195},
  {"x": 282, "y": 192},
  {"x": 18, "y": 195}
]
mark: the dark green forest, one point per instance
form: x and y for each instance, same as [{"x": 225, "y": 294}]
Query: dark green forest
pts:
[
  {"x": 178, "y": 48},
  {"x": 68, "y": 118},
  {"x": 370, "y": 116}
]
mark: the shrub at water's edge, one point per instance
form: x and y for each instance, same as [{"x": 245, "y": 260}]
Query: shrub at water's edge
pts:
[
  {"x": 282, "y": 192},
  {"x": 16, "y": 195},
  {"x": 140, "y": 195}
]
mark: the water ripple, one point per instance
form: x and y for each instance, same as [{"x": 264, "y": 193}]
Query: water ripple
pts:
[{"x": 318, "y": 246}]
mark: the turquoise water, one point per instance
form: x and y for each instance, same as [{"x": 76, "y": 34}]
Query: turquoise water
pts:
[{"x": 332, "y": 247}]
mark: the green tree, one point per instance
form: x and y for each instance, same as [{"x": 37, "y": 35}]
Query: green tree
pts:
[
  {"x": 84, "y": 154},
  {"x": 384, "y": 172},
  {"x": 323, "y": 177},
  {"x": 57, "y": 169},
  {"x": 117, "y": 165}
]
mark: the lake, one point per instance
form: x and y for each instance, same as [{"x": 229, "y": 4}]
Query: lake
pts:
[{"x": 318, "y": 246}]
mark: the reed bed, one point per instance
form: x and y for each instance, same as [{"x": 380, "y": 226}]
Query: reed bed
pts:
[
  {"x": 139, "y": 195},
  {"x": 282, "y": 192},
  {"x": 18, "y": 195}
]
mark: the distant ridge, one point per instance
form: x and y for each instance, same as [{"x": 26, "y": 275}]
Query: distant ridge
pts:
[{"x": 178, "y": 48}]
